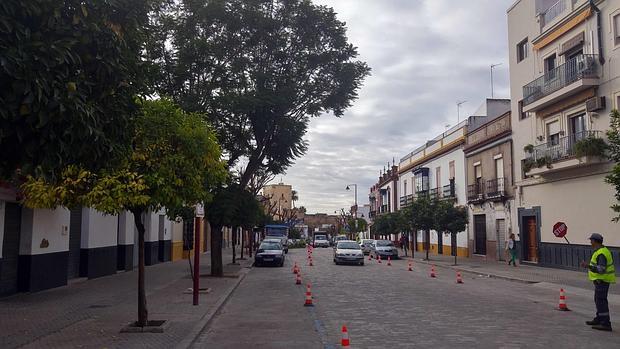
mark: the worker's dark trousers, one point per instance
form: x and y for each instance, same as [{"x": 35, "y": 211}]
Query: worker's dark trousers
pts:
[{"x": 600, "y": 299}]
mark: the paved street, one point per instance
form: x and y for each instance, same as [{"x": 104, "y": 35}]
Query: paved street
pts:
[{"x": 389, "y": 307}]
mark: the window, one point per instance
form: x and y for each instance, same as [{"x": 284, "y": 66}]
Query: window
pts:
[
  {"x": 616, "y": 29},
  {"x": 522, "y": 50},
  {"x": 404, "y": 188},
  {"x": 499, "y": 167},
  {"x": 438, "y": 177},
  {"x": 553, "y": 133},
  {"x": 452, "y": 174},
  {"x": 550, "y": 63},
  {"x": 522, "y": 114},
  {"x": 578, "y": 126},
  {"x": 478, "y": 174},
  {"x": 421, "y": 180}
]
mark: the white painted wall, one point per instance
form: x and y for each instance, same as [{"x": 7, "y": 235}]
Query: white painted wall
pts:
[
  {"x": 2, "y": 213},
  {"x": 39, "y": 224},
  {"x": 126, "y": 228},
  {"x": 151, "y": 226},
  {"x": 98, "y": 229}
]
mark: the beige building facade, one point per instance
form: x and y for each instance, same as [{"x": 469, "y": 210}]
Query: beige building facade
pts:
[
  {"x": 564, "y": 67},
  {"x": 280, "y": 198},
  {"x": 490, "y": 181}
]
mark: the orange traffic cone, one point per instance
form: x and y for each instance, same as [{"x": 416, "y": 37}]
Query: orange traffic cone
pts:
[
  {"x": 562, "y": 306},
  {"x": 295, "y": 268},
  {"x": 433, "y": 271},
  {"x": 308, "y": 302},
  {"x": 344, "y": 342},
  {"x": 298, "y": 278},
  {"x": 378, "y": 258},
  {"x": 389, "y": 261},
  {"x": 459, "y": 279},
  {"x": 369, "y": 257},
  {"x": 310, "y": 262},
  {"x": 410, "y": 267}
]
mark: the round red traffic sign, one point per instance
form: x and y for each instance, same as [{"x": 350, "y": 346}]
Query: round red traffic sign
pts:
[{"x": 560, "y": 229}]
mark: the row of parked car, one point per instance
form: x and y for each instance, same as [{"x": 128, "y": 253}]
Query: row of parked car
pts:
[{"x": 352, "y": 252}]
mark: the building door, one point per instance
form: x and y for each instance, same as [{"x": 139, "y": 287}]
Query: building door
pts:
[
  {"x": 75, "y": 243},
  {"x": 480, "y": 234},
  {"x": 500, "y": 225},
  {"x": 531, "y": 239},
  {"x": 439, "y": 243},
  {"x": 10, "y": 248}
]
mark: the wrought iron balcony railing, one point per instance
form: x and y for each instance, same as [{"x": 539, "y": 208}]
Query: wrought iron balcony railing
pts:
[
  {"x": 496, "y": 188},
  {"x": 577, "y": 68},
  {"x": 563, "y": 148},
  {"x": 475, "y": 192},
  {"x": 406, "y": 200},
  {"x": 449, "y": 191}
]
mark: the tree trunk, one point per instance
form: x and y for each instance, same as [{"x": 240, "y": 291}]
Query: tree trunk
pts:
[
  {"x": 251, "y": 242},
  {"x": 427, "y": 242},
  {"x": 454, "y": 246},
  {"x": 234, "y": 244},
  {"x": 142, "y": 310},
  {"x": 242, "y": 240},
  {"x": 217, "y": 269}
]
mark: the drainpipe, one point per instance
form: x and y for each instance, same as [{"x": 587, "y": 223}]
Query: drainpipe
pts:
[{"x": 599, "y": 32}]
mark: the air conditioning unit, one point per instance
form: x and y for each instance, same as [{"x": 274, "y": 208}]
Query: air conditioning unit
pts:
[{"x": 595, "y": 103}]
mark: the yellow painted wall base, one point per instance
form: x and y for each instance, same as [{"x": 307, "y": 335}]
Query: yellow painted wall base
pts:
[
  {"x": 177, "y": 250},
  {"x": 447, "y": 250}
]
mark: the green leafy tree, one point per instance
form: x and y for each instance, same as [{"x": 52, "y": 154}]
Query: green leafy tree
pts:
[
  {"x": 422, "y": 217},
  {"x": 260, "y": 69},
  {"x": 452, "y": 220},
  {"x": 613, "y": 148},
  {"x": 69, "y": 71},
  {"x": 174, "y": 162}
]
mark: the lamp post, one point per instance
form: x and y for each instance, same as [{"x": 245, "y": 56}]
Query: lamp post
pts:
[{"x": 355, "y": 215}]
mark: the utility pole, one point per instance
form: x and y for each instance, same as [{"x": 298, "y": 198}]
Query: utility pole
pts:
[
  {"x": 458, "y": 110},
  {"x": 493, "y": 66}
]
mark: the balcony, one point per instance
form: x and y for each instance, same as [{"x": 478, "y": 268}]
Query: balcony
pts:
[
  {"x": 406, "y": 200},
  {"x": 434, "y": 194},
  {"x": 551, "y": 157},
  {"x": 574, "y": 75},
  {"x": 475, "y": 193},
  {"x": 496, "y": 189},
  {"x": 384, "y": 209},
  {"x": 449, "y": 191}
]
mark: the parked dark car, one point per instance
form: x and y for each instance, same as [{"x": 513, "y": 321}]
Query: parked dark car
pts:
[{"x": 269, "y": 253}]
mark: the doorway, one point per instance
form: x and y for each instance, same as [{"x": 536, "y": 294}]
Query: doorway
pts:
[
  {"x": 10, "y": 248},
  {"x": 500, "y": 228},
  {"x": 530, "y": 239},
  {"x": 480, "y": 234},
  {"x": 75, "y": 243},
  {"x": 439, "y": 242}
]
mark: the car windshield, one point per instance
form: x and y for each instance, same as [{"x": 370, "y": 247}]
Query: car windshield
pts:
[
  {"x": 384, "y": 243},
  {"x": 320, "y": 237},
  {"x": 348, "y": 245},
  {"x": 269, "y": 246}
]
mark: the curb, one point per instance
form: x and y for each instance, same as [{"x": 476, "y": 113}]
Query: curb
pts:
[
  {"x": 206, "y": 320},
  {"x": 477, "y": 272}
]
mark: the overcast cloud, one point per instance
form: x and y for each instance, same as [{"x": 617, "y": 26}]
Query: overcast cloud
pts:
[{"x": 424, "y": 55}]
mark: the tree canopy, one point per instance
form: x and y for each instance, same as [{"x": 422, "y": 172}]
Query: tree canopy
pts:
[
  {"x": 69, "y": 73},
  {"x": 613, "y": 136},
  {"x": 260, "y": 69}
]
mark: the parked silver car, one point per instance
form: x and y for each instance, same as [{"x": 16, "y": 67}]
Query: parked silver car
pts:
[
  {"x": 269, "y": 252},
  {"x": 383, "y": 248},
  {"x": 365, "y": 245},
  {"x": 348, "y": 251}
]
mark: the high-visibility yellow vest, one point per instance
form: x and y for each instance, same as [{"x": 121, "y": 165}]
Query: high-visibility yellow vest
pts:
[{"x": 609, "y": 275}]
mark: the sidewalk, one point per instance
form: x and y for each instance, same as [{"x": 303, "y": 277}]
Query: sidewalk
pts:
[
  {"x": 90, "y": 313},
  {"x": 521, "y": 273}
]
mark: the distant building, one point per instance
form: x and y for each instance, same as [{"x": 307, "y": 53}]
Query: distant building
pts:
[{"x": 280, "y": 198}]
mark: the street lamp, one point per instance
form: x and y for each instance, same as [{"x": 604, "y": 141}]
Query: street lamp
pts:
[{"x": 348, "y": 188}]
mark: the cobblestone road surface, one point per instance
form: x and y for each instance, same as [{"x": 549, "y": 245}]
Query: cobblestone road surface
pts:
[{"x": 389, "y": 307}]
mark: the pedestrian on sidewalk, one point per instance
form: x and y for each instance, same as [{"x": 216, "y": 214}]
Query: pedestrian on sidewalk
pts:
[
  {"x": 403, "y": 243},
  {"x": 512, "y": 250},
  {"x": 601, "y": 272}
]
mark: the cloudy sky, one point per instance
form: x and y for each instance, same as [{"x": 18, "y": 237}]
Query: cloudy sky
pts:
[{"x": 425, "y": 55}]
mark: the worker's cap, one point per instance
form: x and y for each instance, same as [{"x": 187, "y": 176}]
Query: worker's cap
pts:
[{"x": 596, "y": 237}]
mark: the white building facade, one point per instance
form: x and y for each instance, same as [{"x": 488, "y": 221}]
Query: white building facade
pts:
[
  {"x": 564, "y": 69},
  {"x": 437, "y": 170}
]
